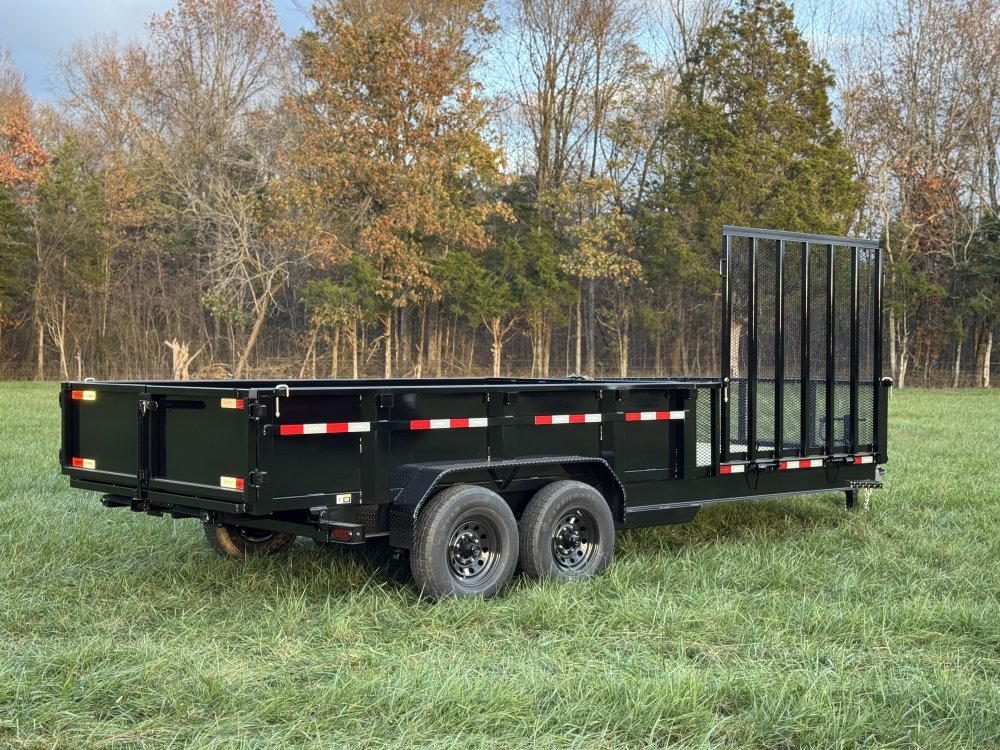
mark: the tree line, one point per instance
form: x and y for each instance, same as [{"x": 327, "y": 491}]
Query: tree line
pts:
[{"x": 534, "y": 187}]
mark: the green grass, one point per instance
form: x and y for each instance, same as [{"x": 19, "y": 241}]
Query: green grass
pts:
[{"x": 783, "y": 624}]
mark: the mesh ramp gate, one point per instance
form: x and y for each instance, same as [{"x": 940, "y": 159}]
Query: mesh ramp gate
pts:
[{"x": 801, "y": 345}]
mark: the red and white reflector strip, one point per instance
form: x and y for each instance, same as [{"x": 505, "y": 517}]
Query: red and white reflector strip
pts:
[
  {"x": 733, "y": 469},
  {"x": 804, "y": 463},
  {"x": 231, "y": 483},
  {"x": 567, "y": 418},
  {"x": 84, "y": 395},
  {"x": 84, "y": 463},
  {"x": 232, "y": 403},
  {"x": 864, "y": 459},
  {"x": 652, "y": 416},
  {"x": 324, "y": 428},
  {"x": 447, "y": 424}
]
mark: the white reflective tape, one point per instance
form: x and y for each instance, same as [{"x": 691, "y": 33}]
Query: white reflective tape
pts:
[
  {"x": 677, "y": 415},
  {"x": 439, "y": 424},
  {"x": 591, "y": 417},
  {"x": 314, "y": 429},
  {"x": 359, "y": 426},
  {"x": 805, "y": 463},
  {"x": 478, "y": 421},
  {"x": 560, "y": 419},
  {"x": 864, "y": 459}
]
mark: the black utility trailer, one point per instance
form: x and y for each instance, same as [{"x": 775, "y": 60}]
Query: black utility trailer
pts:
[{"x": 467, "y": 476}]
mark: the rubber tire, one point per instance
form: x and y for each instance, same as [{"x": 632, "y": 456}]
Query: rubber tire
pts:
[
  {"x": 435, "y": 525},
  {"x": 227, "y": 541},
  {"x": 544, "y": 511}
]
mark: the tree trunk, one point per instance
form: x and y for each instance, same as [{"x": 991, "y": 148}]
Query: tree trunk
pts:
[
  {"x": 496, "y": 331},
  {"x": 987, "y": 354},
  {"x": 547, "y": 348},
  {"x": 893, "y": 353},
  {"x": 418, "y": 368},
  {"x": 335, "y": 354},
  {"x": 623, "y": 348},
  {"x": 354, "y": 350},
  {"x": 579, "y": 332},
  {"x": 403, "y": 345},
  {"x": 958, "y": 365},
  {"x": 258, "y": 325},
  {"x": 310, "y": 353},
  {"x": 387, "y": 342},
  {"x": 569, "y": 338},
  {"x": 591, "y": 329},
  {"x": 59, "y": 334},
  {"x": 904, "y": 359}
]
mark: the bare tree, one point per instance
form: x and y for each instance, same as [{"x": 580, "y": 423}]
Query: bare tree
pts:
[{"x": 921, "y": 117}]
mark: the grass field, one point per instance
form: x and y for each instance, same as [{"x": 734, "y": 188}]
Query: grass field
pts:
[{"x": 782, "y": 624}]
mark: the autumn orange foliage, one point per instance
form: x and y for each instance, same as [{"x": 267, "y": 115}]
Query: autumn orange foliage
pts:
[{"x": 21, "y": 156}]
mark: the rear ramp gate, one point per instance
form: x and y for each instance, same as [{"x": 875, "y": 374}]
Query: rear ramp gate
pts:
[{"x": 801, "y": 349}]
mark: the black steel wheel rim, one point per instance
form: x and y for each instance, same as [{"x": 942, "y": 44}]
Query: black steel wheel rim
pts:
[
  {"x": 474, "y": 548},
  {"x": 575, "y": 540},
  {"x": 256, "y": 536}
]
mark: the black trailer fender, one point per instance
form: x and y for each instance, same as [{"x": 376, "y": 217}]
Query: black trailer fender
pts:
[{"x": 415, "y": 484}]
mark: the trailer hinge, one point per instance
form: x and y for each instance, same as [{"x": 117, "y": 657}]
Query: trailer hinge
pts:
[
  {"x": 258, "y": 478},
  {"x": 143, "y": 476},
  {"x": 146, "y": 406},
  {"x": 258, "y": 411}
]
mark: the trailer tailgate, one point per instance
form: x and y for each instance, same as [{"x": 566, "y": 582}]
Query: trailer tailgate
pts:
[
  {"x": 100, "y": 436},
  {"x": 159, "y": 442},
  {"x": 199, "y": 443}
]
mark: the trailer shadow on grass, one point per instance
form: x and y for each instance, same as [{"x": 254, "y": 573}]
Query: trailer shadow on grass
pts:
[
  {"x": 348, "y": 572},
  {"x": 760, "y": 520}
]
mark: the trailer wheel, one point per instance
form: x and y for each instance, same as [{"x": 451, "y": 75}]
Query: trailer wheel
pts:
[
  {"x": 567, "y": 532},
  {"x": 465, "y": 544},
  {"x": 242, "y": 541}
]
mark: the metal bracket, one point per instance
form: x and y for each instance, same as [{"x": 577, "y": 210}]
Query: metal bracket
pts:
[
  {"x": 258, "y": 411},
  {"x": 258, "y": 478}
]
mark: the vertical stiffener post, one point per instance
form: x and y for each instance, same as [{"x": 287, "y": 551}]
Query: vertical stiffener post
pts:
[
  {"x": 722, "y": 447},
  {"x": 779, "y": 350},
  {"x": 831, "y": 363},
  {"x": 805, "y": 393},
  {"x": 852, "y": 438},
  {"x": 751, "y": 436}
]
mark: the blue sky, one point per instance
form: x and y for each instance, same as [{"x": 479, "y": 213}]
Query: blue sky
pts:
[{"x": 36, "y": 30}]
